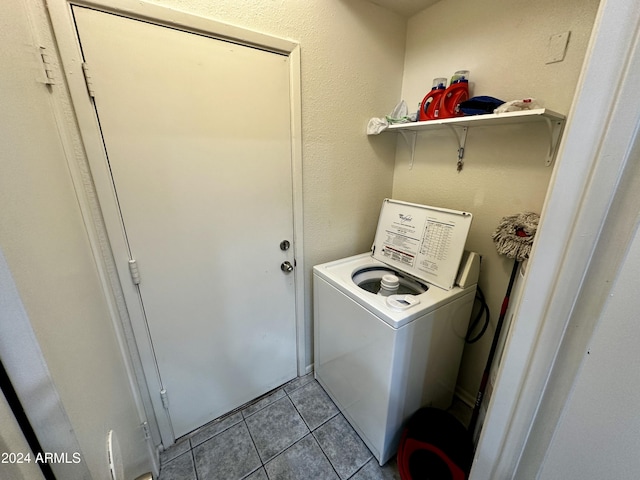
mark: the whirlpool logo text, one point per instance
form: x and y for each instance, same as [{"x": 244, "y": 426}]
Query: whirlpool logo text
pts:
[{"x": 405, "y": 218}]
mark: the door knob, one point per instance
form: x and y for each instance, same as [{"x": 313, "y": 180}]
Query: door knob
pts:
[
  {"x": 286, "y": 267},
  {"x": 284, "y": 245}
]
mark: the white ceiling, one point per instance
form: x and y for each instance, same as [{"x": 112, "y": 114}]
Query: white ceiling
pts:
[{"x": 406, "y": 8}]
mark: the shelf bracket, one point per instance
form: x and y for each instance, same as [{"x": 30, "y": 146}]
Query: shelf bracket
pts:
[
  {"x": 461, "y": 136},
  {"x": 555, "y": 131},
  {"x": 411, "y": 142}
]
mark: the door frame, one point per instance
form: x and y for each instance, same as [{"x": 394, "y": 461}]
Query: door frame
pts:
[{"x": 112, "y": 251}]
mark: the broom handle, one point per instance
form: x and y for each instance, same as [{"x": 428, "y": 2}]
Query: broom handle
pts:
[{"x": 492, "y": 351}]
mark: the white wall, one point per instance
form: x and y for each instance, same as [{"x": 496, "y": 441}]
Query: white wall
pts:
[
  {"x": 346, "y": 49},
  {"x": 45, "y": 243},
  {"x": 598, "y": 435},
  {"x": 590, "y": 219},
  {"x": 352, "y": 56},
  {"x": 503, "y": 43}
]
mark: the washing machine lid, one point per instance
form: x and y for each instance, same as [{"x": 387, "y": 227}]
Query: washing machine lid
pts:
[{"x": 422, "y": 241}]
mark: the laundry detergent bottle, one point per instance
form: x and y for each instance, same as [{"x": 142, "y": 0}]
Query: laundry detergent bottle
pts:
[
  {"x": 453, "y": 96},
  {"x": 430, "y": 105}
]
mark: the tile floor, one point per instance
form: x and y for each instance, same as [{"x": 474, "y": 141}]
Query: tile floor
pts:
[{"x": 295, "y": 432}]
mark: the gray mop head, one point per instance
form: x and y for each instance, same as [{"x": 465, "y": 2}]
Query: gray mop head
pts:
[{"x": 514, "y": 235}]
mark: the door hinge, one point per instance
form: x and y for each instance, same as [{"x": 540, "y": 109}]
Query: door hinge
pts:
[
  {"x": 164, "y": 398},
  {"x": 145, "y": 430},
  {"x": 87, "y": 79},
  {"x": 135, "y": 273},
  {"x": 47, "y": 68}
]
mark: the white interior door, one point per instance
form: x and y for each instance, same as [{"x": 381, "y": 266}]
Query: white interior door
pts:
[{"x": 197, "y": 133}]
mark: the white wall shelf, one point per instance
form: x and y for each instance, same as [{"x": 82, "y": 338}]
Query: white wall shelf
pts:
[{"x": 460, "y": 125}]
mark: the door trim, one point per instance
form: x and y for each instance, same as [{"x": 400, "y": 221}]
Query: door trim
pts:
[{"x": 123, "y": 296}]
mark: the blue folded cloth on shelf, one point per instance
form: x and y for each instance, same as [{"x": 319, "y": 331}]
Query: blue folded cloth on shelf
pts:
[{"x": 480, "y": 105}]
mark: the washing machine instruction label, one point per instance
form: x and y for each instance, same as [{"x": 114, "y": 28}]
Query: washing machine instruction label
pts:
[
  {"x": 436, "y": 244},
  {"x": 426, "y": 242},
  {"x": 402, "y": 241}
]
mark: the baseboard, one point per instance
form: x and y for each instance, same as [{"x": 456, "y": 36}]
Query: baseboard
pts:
[{"x": 465, "y": 397}]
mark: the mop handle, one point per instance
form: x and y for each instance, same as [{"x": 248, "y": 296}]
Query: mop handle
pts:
[{"x": 492, "y": 351}]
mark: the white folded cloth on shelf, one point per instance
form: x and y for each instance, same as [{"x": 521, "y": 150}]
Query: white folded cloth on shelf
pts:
[
  {"x": 400, "y": 114},
  {"x": 518, "y": 105}
]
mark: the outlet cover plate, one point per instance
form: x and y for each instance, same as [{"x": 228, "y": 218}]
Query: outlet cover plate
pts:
[{"x": 557, "y": 47}]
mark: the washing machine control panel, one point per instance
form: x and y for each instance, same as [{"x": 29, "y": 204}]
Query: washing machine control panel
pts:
[{"x": 424, "y": 242}]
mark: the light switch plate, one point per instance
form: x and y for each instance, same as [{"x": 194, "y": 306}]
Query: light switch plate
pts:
[{"x": 557, "y": 47}]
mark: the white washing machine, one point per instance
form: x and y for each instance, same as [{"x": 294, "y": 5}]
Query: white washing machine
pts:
[{"x": 381, "y": 357}]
